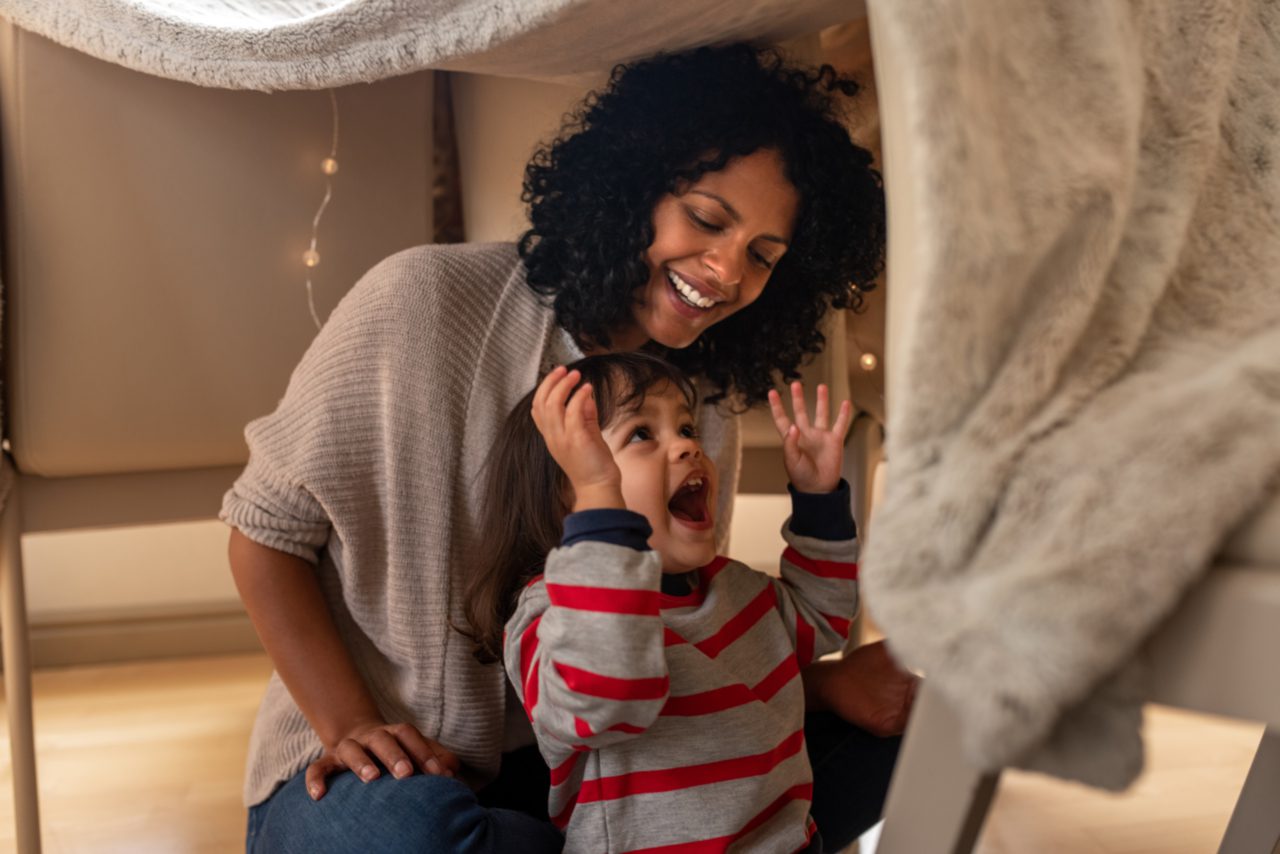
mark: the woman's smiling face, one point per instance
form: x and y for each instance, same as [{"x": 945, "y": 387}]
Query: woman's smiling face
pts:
[{"x": 715, "y": 242}]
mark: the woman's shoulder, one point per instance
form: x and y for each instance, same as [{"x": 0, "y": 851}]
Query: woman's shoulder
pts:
[
  {"x": 441, "y": 285},
  {"x": 446, "y": 267}
]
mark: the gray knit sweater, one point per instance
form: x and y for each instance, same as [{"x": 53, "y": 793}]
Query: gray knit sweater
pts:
[{"x": 370, "y": 469}]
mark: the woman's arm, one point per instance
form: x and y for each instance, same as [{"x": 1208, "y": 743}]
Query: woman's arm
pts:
[{"x": 285, "y": 604}]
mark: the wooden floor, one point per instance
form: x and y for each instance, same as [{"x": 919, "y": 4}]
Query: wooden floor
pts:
[{"x": 148, "y": 758}]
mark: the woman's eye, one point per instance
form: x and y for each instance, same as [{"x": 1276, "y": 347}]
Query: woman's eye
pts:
[
  {"x": 640, "y": 434},
  {"x": 761, "y": 260},
  {"x": 704, "y": 224}
]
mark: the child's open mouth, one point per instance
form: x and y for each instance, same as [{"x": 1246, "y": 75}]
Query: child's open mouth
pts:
[{"x": 689, "y": 504}]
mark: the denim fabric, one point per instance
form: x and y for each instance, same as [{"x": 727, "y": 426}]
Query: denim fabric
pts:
[{"x": 422, "y": 813}]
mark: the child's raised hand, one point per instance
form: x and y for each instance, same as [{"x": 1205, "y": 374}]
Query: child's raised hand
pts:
[
  {"x": 812, "y": 451},
  {"x": 570, "y": 425}
]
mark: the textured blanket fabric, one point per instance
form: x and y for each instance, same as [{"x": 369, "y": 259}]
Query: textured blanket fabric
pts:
[
  {"x": 311, "y": 44},
  {"x": 1090, "y": 399}
]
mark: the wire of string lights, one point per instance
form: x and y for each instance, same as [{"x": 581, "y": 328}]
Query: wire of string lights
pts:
[{"x": 329, "y": 167}]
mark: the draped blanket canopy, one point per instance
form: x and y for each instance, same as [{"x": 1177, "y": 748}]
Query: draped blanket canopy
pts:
[
  {"x": 1088, "y": 400},
  {"x": 313, "y": 44}
]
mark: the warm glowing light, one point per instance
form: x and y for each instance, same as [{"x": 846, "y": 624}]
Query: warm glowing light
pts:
[
  {"x": 329, "y": 166},
  {"x": 311, "y": 258},
  {"x": 868, "y": 361}
]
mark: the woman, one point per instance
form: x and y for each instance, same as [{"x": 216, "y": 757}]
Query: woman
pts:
[{"x": 707, "y": 206}]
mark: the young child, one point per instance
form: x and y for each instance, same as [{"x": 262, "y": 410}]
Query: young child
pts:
[{"x": 662, "y": 681}]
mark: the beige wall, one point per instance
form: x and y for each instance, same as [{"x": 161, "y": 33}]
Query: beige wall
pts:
[{"x": 499, "y": 122}]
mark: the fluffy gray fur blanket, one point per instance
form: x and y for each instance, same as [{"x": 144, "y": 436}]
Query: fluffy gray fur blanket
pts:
[
  {"x": 311, "y": 44},
  {"x": 1090, "y": 399}
]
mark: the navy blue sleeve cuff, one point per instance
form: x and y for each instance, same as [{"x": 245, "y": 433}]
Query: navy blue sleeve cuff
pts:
[
  {"x": 823, "y": 515},
  {"x": 618, "y": 527}
]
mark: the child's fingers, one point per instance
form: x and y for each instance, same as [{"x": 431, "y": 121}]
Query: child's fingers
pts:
[
  {"x": 590, "y": 415},
  {"x": 821, "y": 409},
  {"x": 843, "y": 419},
  {"x": 575, "y": 414},
  {"x": 791, "y": 444},
  {"x": 798, "y": 411},
  {"x": 544, "y": 387},
  {"x": 548, "y": 414},
  {"x": 559, "y": 395},
  {"x": 780, "y": 419}
]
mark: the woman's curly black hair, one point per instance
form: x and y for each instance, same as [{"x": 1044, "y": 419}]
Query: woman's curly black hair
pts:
[{"x": 666, "y": 121}]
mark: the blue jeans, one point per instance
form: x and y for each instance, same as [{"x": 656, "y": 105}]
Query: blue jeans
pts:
[
  {"x": 422, "y": 813},
  {"x": 439, "y": 815}
]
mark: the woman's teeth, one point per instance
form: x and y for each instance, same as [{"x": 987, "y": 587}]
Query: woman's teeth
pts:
[{"x": 688, "y": 293}]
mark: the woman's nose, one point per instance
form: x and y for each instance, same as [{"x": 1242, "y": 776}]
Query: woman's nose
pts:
[{"x": 726, "y": 266}]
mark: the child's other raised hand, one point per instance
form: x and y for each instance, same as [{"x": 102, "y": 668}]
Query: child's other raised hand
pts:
[
  {"x": 812, "y": 451},
  {"x": 570, "y": 425}
]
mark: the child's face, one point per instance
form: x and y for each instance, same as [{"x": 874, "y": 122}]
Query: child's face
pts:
[{"x": 666, "y": 477}]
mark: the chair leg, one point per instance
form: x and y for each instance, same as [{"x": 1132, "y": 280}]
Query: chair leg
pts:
[
  {"x": 937, "y": 802},
  {"x": 17, "y": 677},
  {"x": 1255, "y": 822}
]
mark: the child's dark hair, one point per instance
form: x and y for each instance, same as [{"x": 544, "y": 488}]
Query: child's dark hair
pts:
[{"x": 525, "y": 492}]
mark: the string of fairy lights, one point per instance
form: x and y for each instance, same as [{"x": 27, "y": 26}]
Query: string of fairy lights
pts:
[{"x": 329, "y": 168}]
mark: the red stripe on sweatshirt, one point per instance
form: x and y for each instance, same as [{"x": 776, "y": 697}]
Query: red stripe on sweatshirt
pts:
[
  {"x": 606, "y": 600},
  {"x": 561, "y": 819},
  {"x": 801, "y": 792},
  {"x": 670, "y": 638},
  {"x": 711, "y": 570},
  {"x": 561, "y": 772},
  {"x": 781, "y": 675},
  {"x": 699, "y": 594},
  {"x": 583, "y": 729},
  {"x": 732, "y": 696},
  {"x": 529, "y": 665},
  {"x": 611, "y": 687},
  {"x": 804, "y": 641},
  {"x": 531, "y": 691},
  {"x": 709, "y": 702},
  {"x": 840, "y": 624},
  {"x": 689, "y": 776},
  {"x": 822, "y": 568},
  {"x": 740, "y": 623}
]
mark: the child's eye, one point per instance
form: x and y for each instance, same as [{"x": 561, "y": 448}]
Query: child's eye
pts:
[
  {"x": 688, "y": 431},
  {"x": 640, "y": 434}
]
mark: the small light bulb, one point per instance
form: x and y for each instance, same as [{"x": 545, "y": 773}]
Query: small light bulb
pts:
[
  {"x": 311, "y": 258},
  {"x": 868, "y": 361},
  {"x": 329, "y": 166}
]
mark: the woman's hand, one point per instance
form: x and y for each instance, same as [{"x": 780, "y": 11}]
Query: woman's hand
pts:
[
  {"x": 866, "y": 688},
  {"x": 569, "y": 423},
  {"x": 399, "y": 747},
  {"x": 812, "y": 451}
]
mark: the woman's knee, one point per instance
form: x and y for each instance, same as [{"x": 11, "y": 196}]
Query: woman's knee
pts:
[{"x": 420, "y": 813}]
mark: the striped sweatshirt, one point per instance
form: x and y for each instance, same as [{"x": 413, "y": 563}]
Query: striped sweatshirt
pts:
[{"x": 675, "y": 723}]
